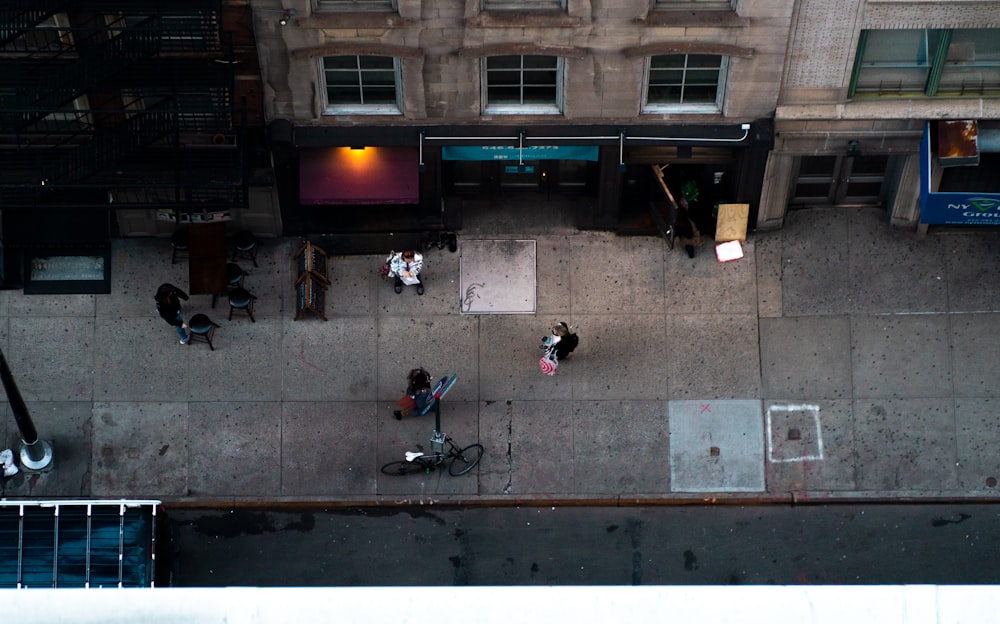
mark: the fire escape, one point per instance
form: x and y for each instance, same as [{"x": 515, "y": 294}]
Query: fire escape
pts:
[{"x": 121, "y": 104}]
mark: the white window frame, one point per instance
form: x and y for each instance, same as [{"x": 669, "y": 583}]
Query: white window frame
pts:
[
  {"x": 554, "y": 108},
  {"x": 682, "y": 107},
  {"x": 363, "y": 109}
]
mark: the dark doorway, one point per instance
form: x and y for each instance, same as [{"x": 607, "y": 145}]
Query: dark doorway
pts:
[
  {"x": 839, "y": 180},
  {"x": 703, "y": 186},
  {"x": 496, "y": 178}
]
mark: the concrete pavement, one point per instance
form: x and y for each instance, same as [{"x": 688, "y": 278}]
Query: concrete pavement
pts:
[{"x": 837, "y": 359}]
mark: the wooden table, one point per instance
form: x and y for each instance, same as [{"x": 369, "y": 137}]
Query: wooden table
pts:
[{"x": 207, "y": 259}]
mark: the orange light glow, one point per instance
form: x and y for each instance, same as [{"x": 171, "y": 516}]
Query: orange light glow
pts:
[{"x": 356, "y": 160}]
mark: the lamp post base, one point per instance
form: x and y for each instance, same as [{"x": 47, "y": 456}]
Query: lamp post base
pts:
[{"x": 41, "y": 464}]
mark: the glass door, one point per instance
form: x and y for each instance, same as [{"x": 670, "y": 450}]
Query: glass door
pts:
[
  {"x": 862, "y": 180},
  {"x": 527, "y": 176},
  {"x": 839, "y": 180}
]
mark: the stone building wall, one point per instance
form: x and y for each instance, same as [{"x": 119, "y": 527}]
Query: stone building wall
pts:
[{"x": 441, "y": 43}]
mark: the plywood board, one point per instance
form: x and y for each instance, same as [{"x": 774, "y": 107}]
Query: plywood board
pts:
[{"x": 731, "y": 224}]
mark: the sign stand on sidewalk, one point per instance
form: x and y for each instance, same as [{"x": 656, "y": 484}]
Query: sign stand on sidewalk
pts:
[{"x": 442, "y": 388}]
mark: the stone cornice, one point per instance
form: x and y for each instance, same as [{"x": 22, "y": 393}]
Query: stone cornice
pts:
[
  {"x": 684, "y": 47},
  {"x": 356, "y": 48}
]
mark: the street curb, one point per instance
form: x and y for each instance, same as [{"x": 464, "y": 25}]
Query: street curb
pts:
[{"x": 788, "y": 499}]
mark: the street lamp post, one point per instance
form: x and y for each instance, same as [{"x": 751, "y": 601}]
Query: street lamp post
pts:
[{"x": 36, "y": 454}]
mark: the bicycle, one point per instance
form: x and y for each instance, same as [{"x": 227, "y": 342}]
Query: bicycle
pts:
[{"x": 460, "y": 460}]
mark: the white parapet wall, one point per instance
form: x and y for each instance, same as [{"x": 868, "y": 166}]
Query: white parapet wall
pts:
[{"x": 857, "y": 604}]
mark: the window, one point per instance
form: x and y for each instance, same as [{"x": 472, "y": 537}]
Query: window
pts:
[
  {"x": 524, "y": 5},
  {"x": 362, "y": 85},
  {"x": 684, "y": 83},
  {"x": 707, "y": 5},
  {"x": 927, "y": 62},
  {"x": 359, "y": 6},
  {"x": 522, "y": 84}
]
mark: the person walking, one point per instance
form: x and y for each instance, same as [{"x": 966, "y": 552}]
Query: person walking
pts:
[
  {"x": 561, "y": 342},
  {"x": 418, "y": 393},
  {"x": 405, "y": 267},
  {"x": 687, "y": 231},
  {"x": 168, "y": 304}
]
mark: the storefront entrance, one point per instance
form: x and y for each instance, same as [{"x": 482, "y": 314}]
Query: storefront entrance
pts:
[
  {"x": 840, "y": 180},
  {"x": 701, "y": 185},
  {"x": 494, "y": 178}
]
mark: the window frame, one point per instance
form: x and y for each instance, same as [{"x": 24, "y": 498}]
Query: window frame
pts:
[
  {"x": 356, "y": 6},
  {"x": 939, "y": 71},
  {"x": 696, "y": 5},
  {"x": 506, "y": 108},
  {"x": 525, "y": 6},
  {"x": 648, "y": 107},
  {"x": 362, "y": 108}
]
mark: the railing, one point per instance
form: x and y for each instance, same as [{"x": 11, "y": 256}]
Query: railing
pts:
[
  {"x": 152, "y": 71},
  {"x": 43, "y": 85},
  {"x": 18, "y": 17}
]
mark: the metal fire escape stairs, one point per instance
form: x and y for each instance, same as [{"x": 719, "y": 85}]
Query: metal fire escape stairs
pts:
[
  {"x": 17, "y": 17},
  {"x": 127, "y": 103}
]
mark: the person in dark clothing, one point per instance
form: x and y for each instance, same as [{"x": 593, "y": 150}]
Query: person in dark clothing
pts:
[
  {"x": 686, "y": 230},
  {"x": 168, "y": 304},
  {"x": 562, "y": 342},
  {"x": 418, "y": 390}
]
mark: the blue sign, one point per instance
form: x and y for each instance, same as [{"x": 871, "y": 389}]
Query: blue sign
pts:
[
  {"x": 952, "y": 208},
  {"x": 519, "y": 154}
]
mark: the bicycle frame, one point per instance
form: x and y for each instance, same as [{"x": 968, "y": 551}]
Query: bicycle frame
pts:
[{"x": 437, "y": 456}]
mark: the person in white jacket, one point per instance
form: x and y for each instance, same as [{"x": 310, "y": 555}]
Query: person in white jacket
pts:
[{"x": 405, "y": 267}]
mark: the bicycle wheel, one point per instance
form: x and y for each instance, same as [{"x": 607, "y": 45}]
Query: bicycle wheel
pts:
[
  {"x": 465, "y": 460},
  {"x": 400, "y": 468}
]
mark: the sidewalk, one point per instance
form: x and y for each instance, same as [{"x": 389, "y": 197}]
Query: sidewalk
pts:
[{"x": 837, "y": 359}]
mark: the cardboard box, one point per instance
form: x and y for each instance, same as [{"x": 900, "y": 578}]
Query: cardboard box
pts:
[{"x": 731, "y": 223}]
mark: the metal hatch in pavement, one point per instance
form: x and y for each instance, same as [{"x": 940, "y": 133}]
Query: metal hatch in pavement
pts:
[{"x": 81, "y": 544}]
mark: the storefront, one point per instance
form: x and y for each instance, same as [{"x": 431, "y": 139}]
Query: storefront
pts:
[
  {"x": 961, "y": 159},
  {"x": 413, "y": 179}
]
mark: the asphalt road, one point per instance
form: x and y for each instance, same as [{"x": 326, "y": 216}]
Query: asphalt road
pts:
[{"x": 715, "y": 545}]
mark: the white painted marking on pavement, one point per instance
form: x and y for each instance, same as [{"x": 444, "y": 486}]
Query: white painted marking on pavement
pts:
[{"x": 810, "y": 409}]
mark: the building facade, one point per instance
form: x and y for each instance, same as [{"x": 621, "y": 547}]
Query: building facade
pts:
[
  {"x": 864, "y": 80},
  {"x": 392, "y": 114}
]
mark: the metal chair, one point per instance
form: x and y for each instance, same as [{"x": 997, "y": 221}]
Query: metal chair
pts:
[
  {"x": 234, "y": 275},
  {"x": 234, "y": 279},
  {"x": 202, "y": 328},
  {"x": 241, "y": 299},
  {"x": 245, "y": 244}
]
